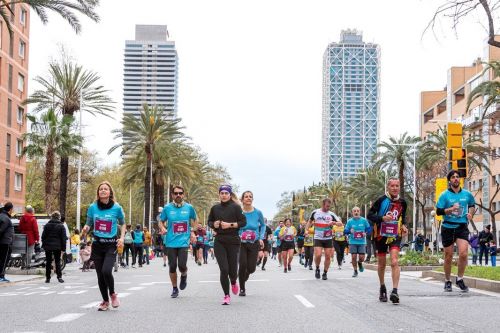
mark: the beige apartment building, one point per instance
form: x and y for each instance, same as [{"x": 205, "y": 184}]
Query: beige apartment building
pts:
[
  {"x": 13, "y": 90},
  {"x": 439, "y": 107}
]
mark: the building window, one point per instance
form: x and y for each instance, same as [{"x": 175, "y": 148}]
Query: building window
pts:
[
  {"x": 22, "y": 48},
  {"x": 9, "y": 113},
  {"x": 7, "y": 151},
  {"x": 20, "y": 115},
  {"x": 22, "y": 17},
  {"x": 18, "y": 181},
  {"x": 7, "y": 182},
  {"x": 19, "y": 148},
  {"x": 20, "y": 82}
]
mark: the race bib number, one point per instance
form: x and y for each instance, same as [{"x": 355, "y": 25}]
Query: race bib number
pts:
[
  {"x": 103, "y": 226},
  {"x": 180, "y": 227},
  {"x": 461, "y": 211},
  {"x": 389, "y": 229},
  {"x": 199, "y": 239},
  {"x": 288, "y": 238},
  {"x": 359, "y": 235},
  {"x": 327, "y": 233},
  {"x": 248, "y": 235},
  {"x": 338, "y": 234}
]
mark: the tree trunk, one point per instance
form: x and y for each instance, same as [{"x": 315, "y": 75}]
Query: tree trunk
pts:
[
  {"x": 493, "y": 226},
  {"x": 161, "y": 196},
  {"x": 402, "y": 179},
  {"x": 147, "y": 191},
  {"x": 63, "y": 184},
  {"x": 424, "y": 220},
  {"x": 49, "y": 179}
]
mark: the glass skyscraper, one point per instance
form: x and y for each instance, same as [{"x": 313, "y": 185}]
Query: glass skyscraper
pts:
[
  {"x": 150, "y": 71},
  {"x": 351, "y": 99}
]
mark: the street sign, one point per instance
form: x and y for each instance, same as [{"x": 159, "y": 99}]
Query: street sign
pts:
[{"x": 454, "y": 136}]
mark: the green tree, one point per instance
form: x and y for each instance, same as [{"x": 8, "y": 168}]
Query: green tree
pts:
[
  {"x": 66, "y": 9},
  {"x": 61, "y": 90},
  {"x": 50, "y": 137},
  {"x": 489, "y": 91}
]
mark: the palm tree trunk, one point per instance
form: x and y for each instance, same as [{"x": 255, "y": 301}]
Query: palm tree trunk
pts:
[
  {"x": 402, "y": 179},
  {"x": 147, "y": 190},
  {"x": 49, "y": 179},
  {"x": 424, "y": 220},
  {"x": 63, "y": 184},
  {"x": 161, "y": 194}
]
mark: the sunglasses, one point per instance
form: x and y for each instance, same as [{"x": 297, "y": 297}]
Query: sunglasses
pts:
[{"x": 178, "y": 193}]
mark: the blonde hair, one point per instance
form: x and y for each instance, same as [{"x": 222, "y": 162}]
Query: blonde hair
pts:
[{"x": 111, "y": 192}]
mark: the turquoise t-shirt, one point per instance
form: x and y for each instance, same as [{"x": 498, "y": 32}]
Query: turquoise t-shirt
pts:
[
  {"x": 178, "y": 224},
  {"x": 255, "y": 229},
  {"x": 276, "y": 235},
  {"x": 105, "y": 221},
  {"x": 448, "y": 198},
  {"x": 361, "y": 228}
]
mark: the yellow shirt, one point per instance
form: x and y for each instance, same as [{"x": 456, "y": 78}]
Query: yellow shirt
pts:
[
  {"x": 147, "y": 239},
  {"x": 338, "y": 233},
  {"x": 309, "y": 237},
  {"x": 75, "y": 239},
  {"x": 286, "y": 232}
]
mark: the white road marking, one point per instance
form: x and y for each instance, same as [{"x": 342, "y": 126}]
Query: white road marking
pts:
[
  {"x": 48, "y": 293},
  {"x": 23, "y": 288},
  {"x": 9, "y": 294},
  {"x": 153, "y": 283},
  {"x": 143, "y": 275},
  {"x": 123, "y": 295},
  {"x": 95, "y": 287},
  {"x": 427, "y": 279},
  {"x": 210, "y": 281},
  {"x": 310, "y": 279},
  {"x": 65, "y": 317},
  {"x": 304, "y": 301},
  {"x": 90, "y": 305},
  {"x": 121, "y": 283},
  {"x": 135, "y": 288},
  {"x": 261, "y": 280},
  {"x": 69, "y": 292}
]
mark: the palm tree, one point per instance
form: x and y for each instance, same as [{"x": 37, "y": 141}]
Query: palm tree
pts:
[
  {"x": 67, "y": 83},
  {"x": 50, "y": 136},
  {"x": 366, "y": 185},
  {"x": 140, "y": 136},
  {"x": 66, "y": 9},
  {"x": 335, "y": 191},
  {"x": 489, "y": 90},
  {"x": 397, "y": 154}
]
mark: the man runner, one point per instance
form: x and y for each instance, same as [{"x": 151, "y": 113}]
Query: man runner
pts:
[
  {"x": 323, "y": 220},
  {"x": 387, "y": 215},
  {"x": 357, "y": 227},
  {"x": 178, "y": 218},
  {"x": 457, "y": 207}
]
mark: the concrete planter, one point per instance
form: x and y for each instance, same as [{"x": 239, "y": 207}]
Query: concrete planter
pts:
[
  {"x": 374, "y": 267},
  {"x": 471, "y": 282}
]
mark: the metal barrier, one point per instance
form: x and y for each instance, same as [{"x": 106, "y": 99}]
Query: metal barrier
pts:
[{"x": 20, "y": 248}]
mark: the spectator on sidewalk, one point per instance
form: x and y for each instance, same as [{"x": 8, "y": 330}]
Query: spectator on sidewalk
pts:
[
  {"x": 147, "y": 244},
  {"x": 474, "y": 246},
  {"x": 426, "y": 244},
  {"x": 29, "y": 226},
  {"x": 6, "y": 237},
  {"x": 54, "y": 243},
  {"x": 419, "y": 242},
  {"x": 67, "y": 250},
  {"x": 485, "y": 237},
  {"x": 493, "y": 253}
]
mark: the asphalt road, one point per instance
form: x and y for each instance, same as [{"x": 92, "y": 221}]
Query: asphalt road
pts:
[{"x": 275, "y": 302}]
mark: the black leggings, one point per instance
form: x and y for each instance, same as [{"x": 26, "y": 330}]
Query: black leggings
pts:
[
  {"x": 339, "y": 250},
  {"x": 138, "y": 251},
  {"x": 248, "y": 261},
  {"x": 308, "y": 255},
  {"x": 56, "y": 255},
  {"x": 104, "y": 257},
  {"x": 126, "y": 249},
  {"x": 226, "y": 252},
  {"x": 177, "y": 256}
]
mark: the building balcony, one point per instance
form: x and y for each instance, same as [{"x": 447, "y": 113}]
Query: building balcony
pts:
[
  {"x": 493, "y": 112},
  {"x": 474, "y": 120}
]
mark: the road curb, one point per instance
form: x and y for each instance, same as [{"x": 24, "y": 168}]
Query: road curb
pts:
[
  {"x": 12, "y": 283},
  {"x": 483, "y": 284},
  {"x": 374, "y": 267}
]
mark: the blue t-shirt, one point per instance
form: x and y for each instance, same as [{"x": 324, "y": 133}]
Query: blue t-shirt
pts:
[
  {"x": 361, "y": 227},
  {"x": 105, "y": 221},
  {"x": 178, "y": 224},
  {"x": 277, "y": 236},
  {"x": 255, "y": 229},
  {"x": 448, "y": 198}
]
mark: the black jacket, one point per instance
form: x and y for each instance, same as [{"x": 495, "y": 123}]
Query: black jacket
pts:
[
  {"x": 485, "y": 237},
  {"x": 54, "y": 236},
  {"x": 6, "y": 229},
  {"x": 227, "y": 212}
]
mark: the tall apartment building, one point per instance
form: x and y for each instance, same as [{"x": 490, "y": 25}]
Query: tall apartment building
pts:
[
  {"x": 351, "y": 103},
  {"x": 150, "y": 70},
  {"x": 439, "y": 107},
  {"x": 13, "y": 91}
]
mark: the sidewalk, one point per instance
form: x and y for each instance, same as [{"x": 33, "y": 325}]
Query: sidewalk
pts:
[{"x": 14, "y": 279}]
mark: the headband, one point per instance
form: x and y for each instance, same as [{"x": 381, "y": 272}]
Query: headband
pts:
[{"x": 227, "y": 188}]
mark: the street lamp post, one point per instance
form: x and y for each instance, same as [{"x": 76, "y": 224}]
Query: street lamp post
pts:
[{"x": 79, "y": 174}]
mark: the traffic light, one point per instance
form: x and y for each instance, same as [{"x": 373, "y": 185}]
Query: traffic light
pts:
[
  {"x": 457, "y": 158},
  {"x": 454, "y": 135}
]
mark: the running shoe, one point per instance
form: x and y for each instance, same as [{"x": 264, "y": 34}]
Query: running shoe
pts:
[
  {"x": 447, "y": 286},
  {"x": 394, "y": 297},
  {"x": 46, "y": 281},
  {"x": 263, "y": 268},
  {"x": 199, "y": 263},
  {"x": 5, "y": 280},
  {"x": 104, "y": 306},
  {"x": 461, "y": 284},
  {"x": 305, "y": 265},
  {"x": 234, "y": 288},
  {"x": 226, "y": 300},
  {"x": 317, "y": 273},
  {"x": 361, "y": 268},
  {"x": 285, "y": 270},
  {"x": 242, "y": 293},
  {"x": 340, "y": 267},
  {"x": 383, "y": 294},
  {"x": 60, "y": 280},
  {"x": 324, "y": 276},
  {"x": 310, "y": 268},
  {"x": 164, "y": 265},
  {"x": 133, "y": 266},
  {"x": 175, "y": 292},
  {"x": 355, "y": 274},
  {"x": 183, "y": 283},
  {"x": 115, "y": 302},
  {"x": 289, "y": 267}
]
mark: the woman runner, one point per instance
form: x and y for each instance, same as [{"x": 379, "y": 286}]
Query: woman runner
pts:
[
  {"x": 287, "y": 235},
  {"x": 252, "y": 239},
  {"x": 105, "y": 217},
  {"x": 339, "y": 242},
  {"x": 309, "y": 248},
  {"x": 226, "y": 218}
]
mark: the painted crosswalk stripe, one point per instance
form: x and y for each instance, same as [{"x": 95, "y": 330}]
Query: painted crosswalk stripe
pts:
[
  {"x": 304, "y": 301},
  {"x": 135, "y": 288},
  {"x": 65, "y": 317},
  {"x": 90, "y": 305},
  {"x": 70, "y": 292},
  {"x": 123, "y": 295},
  {"x": 123, "y": 282}
]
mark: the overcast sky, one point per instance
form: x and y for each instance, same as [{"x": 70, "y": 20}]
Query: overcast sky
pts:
[{"x": 250, "y": 75}]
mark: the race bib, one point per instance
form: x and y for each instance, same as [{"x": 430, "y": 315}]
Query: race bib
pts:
[
  {"x": 199, "y": 239},
  {"x": 359, "y": 235},
  {"x": 460, "y": 212},
  {"x": 103, "y": 226},
  {"x": 389, "y": 229},
  {"x": 338, "y": 234},
  {"x": 288, "y": 238},
  {"x": 248, "y": 235},
  {"x": 180, "y": 227},
  {"x": 327, "y": 233}
]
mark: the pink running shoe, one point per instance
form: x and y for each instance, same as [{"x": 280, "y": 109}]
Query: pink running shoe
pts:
[
  {"x": 235, "y": 288},
  {"x": 104, "y": 306},
  {"x": 226, "y": 300},
  {"x": 115, "y": 302}
]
